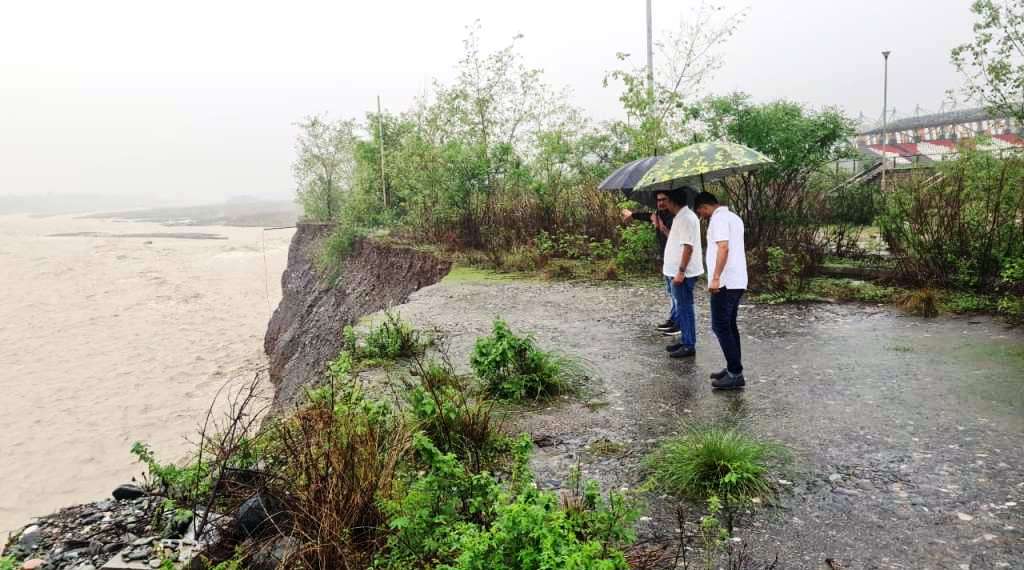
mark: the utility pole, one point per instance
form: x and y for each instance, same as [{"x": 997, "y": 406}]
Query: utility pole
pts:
[
  {"x": 885, "y": 113},
  {"x": 650, "y": 68},
  {"x": 380, "y": 135}
]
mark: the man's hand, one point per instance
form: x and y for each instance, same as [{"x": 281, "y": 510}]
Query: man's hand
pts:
[
  {"x": 656, "y": 220},
  {"x": 627, "y": 216},
  {"x": 715, "y": 286},
  {"x": 679, "y": 278}
]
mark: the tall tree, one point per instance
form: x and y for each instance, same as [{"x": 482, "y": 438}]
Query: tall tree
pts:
[
  {"x": 993, "y": 63},
  {"x": 686, "y": 59},
  {"x": 324, "y": 165}
]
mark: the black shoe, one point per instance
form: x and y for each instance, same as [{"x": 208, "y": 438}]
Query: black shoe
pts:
[
  {"x": 666, "y": 326},
  {"x": 730, "y": 382},
  {"x": 720, "y": 374},
  {"x": 670, "y": 332},
  {"x": 674, "y": 347},
  {"x": 683, "y": 353}
]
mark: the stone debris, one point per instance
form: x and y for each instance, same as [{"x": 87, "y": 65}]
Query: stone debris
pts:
[{"x": 111, "y": 534}]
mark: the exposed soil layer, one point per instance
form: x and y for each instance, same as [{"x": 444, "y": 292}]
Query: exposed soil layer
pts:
[
  {"x": 305, "y": 330},
  {"x": 908, "y": 434}
]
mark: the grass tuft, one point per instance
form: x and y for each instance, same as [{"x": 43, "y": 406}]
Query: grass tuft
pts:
[{"x": 712, "y": 461}]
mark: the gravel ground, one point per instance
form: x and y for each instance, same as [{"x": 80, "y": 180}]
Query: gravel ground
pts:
[{"x": 906, "y": 433}]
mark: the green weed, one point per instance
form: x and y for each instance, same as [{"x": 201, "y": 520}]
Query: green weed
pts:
[
  {"x": 514, "y": 368},
  {"x": 714, "y": 461}
]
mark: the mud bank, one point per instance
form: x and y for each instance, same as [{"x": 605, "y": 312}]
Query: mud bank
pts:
[{"x": 305, "y": 330}]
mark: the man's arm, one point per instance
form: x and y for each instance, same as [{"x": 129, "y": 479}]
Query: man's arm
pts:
[
  {"x": 721, "y": 257},
  {"x": 632, "y": 216},
  {"x": 683, "y": 263}
]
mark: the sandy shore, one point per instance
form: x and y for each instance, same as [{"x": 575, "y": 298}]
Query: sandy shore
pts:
[{"x": 106, "y": 340}]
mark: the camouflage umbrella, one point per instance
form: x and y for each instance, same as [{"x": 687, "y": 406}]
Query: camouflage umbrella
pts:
[{"x": 699, "y": 163}]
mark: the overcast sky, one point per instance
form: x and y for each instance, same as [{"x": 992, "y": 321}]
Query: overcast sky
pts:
[{"x": 197, "y": 100}]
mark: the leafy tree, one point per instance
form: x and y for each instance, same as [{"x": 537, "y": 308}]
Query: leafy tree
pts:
[
  {"x": 686, "y": 59},
  {"x": 993, "y": 63},
  {"x": 324, "y": 165},
  {"x": 776, "y": 202}
]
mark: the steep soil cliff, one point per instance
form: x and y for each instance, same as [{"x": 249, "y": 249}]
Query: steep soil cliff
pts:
[{"x": 305, "y": 330}]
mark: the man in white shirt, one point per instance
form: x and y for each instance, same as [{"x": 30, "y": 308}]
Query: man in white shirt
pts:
[
  {"x": 682, "y": 266},
  {"x": 727, "y": 281}
]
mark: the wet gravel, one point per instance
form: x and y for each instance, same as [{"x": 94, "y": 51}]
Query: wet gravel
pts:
[{"x": 907, "y": 434}]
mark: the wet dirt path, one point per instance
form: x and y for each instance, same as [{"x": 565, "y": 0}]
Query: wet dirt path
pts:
[{"x": 908, "y": 434}]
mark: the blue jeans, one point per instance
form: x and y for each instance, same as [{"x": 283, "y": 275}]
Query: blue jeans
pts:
[
  {"x": 672, "y": 300},
  {"x": 725, "y": 306},
  {"x": 683, "y": 313}
]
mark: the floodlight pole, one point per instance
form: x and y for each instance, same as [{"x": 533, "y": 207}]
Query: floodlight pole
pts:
[{"x": 885, "y": 112}]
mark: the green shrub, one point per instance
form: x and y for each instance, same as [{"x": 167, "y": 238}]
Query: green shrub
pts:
[
  {"x": 182, "y": 483},
  {"x": 456, "y": 420},
  {"x": 958, "y": 229},
  {"x": 393, "y": 338},
  {"x": 963, "y": 302},
  {"x": 531, "y": 532},
  {"x": 1013, "y": 272},
  {"x": 603, "y": 249},
  {"x": 714, "y": 461},
  {"x": 7, "y": 563},
  {"x": 638, "y": 248},
  {"x": 450, "y": 518},
  {"x": 337, "y": 246},
  {"x": 513, "y": 368},
  {"x": 1012, "y": 307}
]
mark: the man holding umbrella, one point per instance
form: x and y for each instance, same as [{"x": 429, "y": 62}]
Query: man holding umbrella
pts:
[{"x": 726, "y": 259}]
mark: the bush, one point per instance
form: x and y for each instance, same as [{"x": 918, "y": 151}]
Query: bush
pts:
[
  {"x": 961, "y": 228},
  {"x": 6, "y": 563},
  {"x": 638, "y": 248},
  {"x": 1012, "y": 307},
  {"x": 332, "y": 460},
  {"x": 450, "y": 518},
  {"x": 708, "y": 462},
  {"x": 458, "y": 421},
  {"x": 391, "y": 339},
  {"x": 513, "y": 368}
]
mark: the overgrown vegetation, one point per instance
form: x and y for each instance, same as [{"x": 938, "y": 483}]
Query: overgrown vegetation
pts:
[
  {"x": 513, "y": 367},
  {"x": 425, "y": 478}
]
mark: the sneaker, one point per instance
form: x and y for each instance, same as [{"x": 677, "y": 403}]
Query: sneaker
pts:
[
  {"x": 666, "y": 326},
  {"x": 684, "y": 352},
  {"x": 670, "y": 332},
  {"x": 720, "y": 374},
  {"x": 730, "y": 382},
  {"x": 674, "y": 347}
]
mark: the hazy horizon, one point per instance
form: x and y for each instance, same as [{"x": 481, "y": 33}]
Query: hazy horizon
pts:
[{"x": 196, "y": 102}]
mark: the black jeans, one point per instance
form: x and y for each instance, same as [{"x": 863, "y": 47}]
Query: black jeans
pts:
[{"x": 724, "y": 307}]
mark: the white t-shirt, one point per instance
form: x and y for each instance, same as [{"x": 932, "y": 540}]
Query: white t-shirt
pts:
[
  {"x": 727, "y": 226},
  {"x": 685, "y": 231}
]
